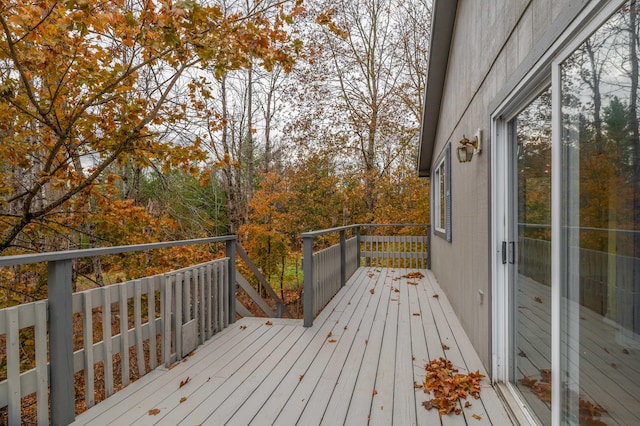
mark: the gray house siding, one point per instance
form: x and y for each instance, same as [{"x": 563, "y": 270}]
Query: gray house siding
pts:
[{"x": 492, "y": 43}]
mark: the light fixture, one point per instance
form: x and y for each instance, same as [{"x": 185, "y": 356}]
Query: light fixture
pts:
[{"x": 467, "y": 147}]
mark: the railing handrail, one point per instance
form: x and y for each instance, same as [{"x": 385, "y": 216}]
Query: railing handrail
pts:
[
  {"x": 23, "y": 259},
  {"x": 359, "y": 225}
]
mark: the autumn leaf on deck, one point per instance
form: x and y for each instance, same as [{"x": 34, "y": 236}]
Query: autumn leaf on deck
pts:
[
  {"x": 372, "y": 291},
  {"x": 301, "y": 377},
  {"x": 371, "y": 275},
  {"x": 522, "y": 354},
  {"x": 467, "y": 404},
  {"x": 414, "y": 275},
  {"x": 435, "y": 296},
  {"x": 154, "y": 412},
  {"x": 416, "y": 314},
  {"x": 268, "y": 323},
  {"x": 185, "y": 381},
  {"x": 412, "y": 283},
  {"x": 375, "y": 392},
  {"x": 445, "y": 347},
  {"x": 329, "y": 335},
  {"x": 477, "y": 417},
  {"x": 243, "y": 327},
  {"x": 396, "y": 290},
  {"x": 332, "y": 340},
  {"x": 183, "y": 399},
  {"x": 538, "y": 299}
]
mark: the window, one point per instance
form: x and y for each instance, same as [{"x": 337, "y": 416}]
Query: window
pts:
[{"x": 441, "y": 204}]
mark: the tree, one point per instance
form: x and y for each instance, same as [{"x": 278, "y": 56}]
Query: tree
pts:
[{"x": 90, "y": 85}]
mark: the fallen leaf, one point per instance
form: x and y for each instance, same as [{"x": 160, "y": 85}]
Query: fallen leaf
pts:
[
  {"x": 445, "y": 347},
  {"x": 366, "y": 342},
  {"x": 606, "y": 350},
  {"x": 414, "y": 275},
  {"x": 243, "y": 327},
  {"x": 412, "y": 283},
  {"x": 332, "y": 340},
  {"x": 329, "y": 335},
  {"x": 467, "y": 404},
  {"x": 183, "y": 399},
  {"x": 185, "y": 381},
  {"x": 268, "y": 323},
  {"x": 625, "y": 351},
  {"x": 417, "y": 385},
  {"x": 435, "y": 296},
  {"x": 372, "y": 291},
  {"x": 416, "y": 314},
  {"x": 614, "y": 365},
  {"x": 538, "y": 299},
  {"x": 458, "y": 411},
  {"x": 522, "y": 354},
  {"x": 477, "y": 417},
  {"x": 396, "y": 290},
  {"x": 345, "y": 327},
  {"x": 301, "y": 377},
  {"x": 375, "y": 392},
  {"x": 371, "y": 274},
  {"x": 413, "y": 357},
  {"x": 154, "y": 412},
  {"x": 394, "y": 300}
]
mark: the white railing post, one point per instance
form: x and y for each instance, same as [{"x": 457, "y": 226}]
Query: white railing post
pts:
[
  {"x": 61, "y": 342},
  {"x": 307, "y": 270}
]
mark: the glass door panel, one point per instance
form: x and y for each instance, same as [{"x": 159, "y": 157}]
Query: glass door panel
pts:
[
  {"x": 529, "y": 254},
  {"x": 600, "y": 265}
]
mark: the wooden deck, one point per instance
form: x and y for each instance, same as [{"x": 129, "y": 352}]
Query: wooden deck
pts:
[{"x": 356, "y": 365}]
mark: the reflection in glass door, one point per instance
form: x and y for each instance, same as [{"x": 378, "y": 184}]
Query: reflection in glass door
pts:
[
  {"x": 600, "y": 225},
  {"x": 528, "y": 254}
]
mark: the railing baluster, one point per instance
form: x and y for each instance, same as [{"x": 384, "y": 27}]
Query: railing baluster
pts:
[
  {"x": 107, "y": 339},
  {"x": 124, "y": 334},
  {"x": 13, "y": 364},
  {"x": 42, "y": 393},
  {"x": 87, "y": 313},
  {"x": 151, "y": 315},
  {"x": 137, "y": 315}
]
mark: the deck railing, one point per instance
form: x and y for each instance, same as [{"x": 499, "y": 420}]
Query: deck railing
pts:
[
  {"x": 171, "y": 314},
  {"x": 330, "y": 268}
]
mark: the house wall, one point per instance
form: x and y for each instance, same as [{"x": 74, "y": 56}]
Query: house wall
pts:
[{"x": 492, "y": 42}]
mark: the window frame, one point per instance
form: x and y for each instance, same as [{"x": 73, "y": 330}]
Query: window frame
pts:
[{"x": 443, "y": 167}]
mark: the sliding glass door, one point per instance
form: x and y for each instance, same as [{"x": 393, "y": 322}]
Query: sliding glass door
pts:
[
  {"x": 600, "y": 225},
  {"x": 528, "y": 253},
  {"x": 566, "y": 189}
]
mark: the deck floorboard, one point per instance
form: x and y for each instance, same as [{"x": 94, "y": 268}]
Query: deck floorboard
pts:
[{"x": 357, "y": 365}]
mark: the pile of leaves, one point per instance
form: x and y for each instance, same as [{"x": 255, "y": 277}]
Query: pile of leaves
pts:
[{"x": 448, "y": 386}]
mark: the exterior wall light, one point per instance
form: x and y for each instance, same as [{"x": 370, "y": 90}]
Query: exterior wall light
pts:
[{"x": 467, "y": 147}]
